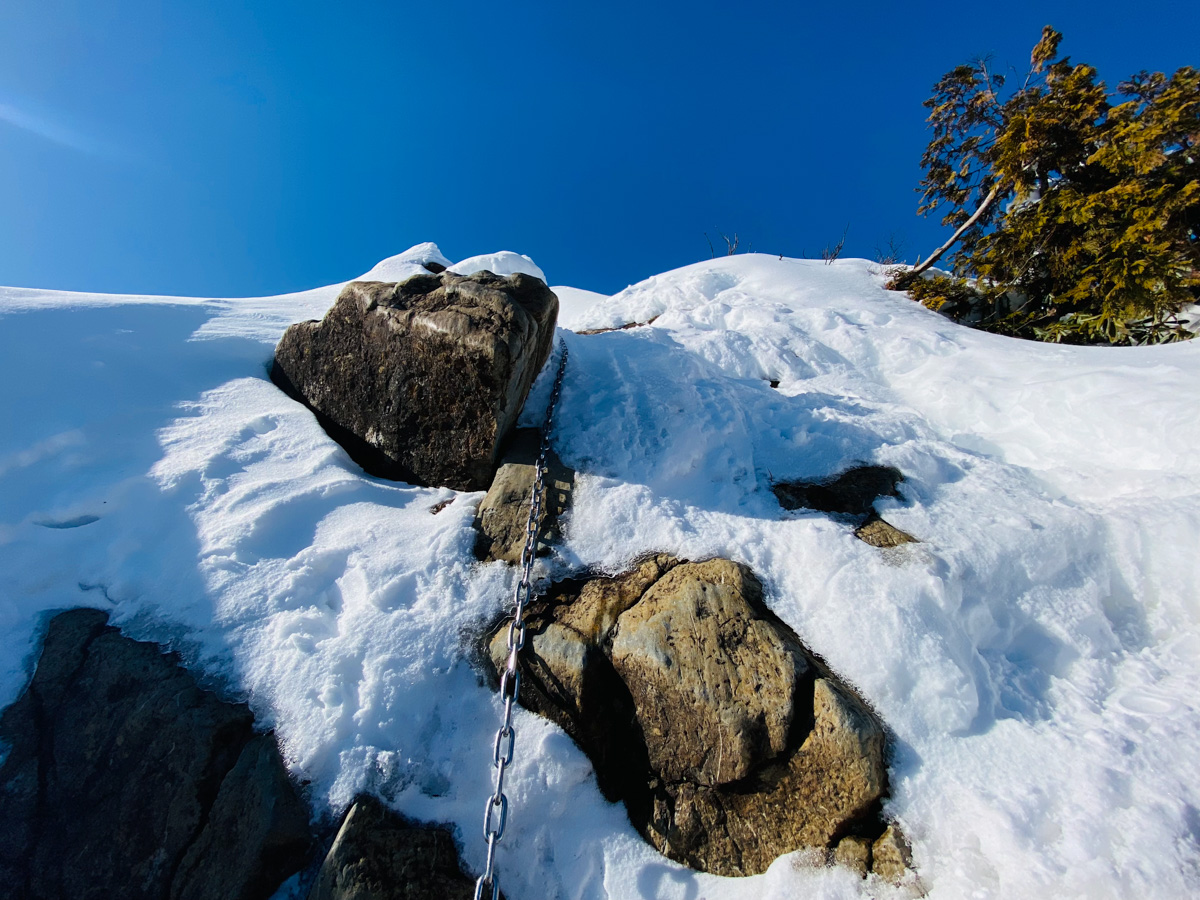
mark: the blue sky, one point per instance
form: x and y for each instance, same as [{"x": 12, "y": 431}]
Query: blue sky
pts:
[{"x": 232, "y": 149}]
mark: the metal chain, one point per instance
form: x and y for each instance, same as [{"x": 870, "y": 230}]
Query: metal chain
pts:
[{"x": 495, "y": 815}]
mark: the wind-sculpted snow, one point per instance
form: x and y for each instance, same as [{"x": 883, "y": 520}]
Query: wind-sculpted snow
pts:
[{"x": 1035, "y": 655}]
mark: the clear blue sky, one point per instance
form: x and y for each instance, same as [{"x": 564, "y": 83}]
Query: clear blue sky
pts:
[{"x": 237, "y": 148}]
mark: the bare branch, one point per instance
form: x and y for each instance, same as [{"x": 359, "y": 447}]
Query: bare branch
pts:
[
  {"x": 891, "y": 253},
  {"x": 962, "y": 229},
  {"x": 829, "y": 254}
]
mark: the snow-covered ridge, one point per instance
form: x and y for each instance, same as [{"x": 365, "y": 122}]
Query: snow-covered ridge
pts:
[{"x": 1036, "y": 654}]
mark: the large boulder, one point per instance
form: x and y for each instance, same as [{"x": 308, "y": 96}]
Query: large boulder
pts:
[
  {"x": 379, "y": 855},
  {"x": 728, "y": 741},
  {"x": 421, "y": 381},
  {"x": 124, "y": 778}
]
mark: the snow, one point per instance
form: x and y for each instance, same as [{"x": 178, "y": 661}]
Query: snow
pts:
[
  {"x": 407, "y": 264},
  {"x": 504, "y": 263},
  {"x": 574, "y": 303},
  {"x": 1035, "y": 655}
]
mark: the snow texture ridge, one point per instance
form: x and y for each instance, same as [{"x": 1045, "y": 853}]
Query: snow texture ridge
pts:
[{"x": 1036, "y": 654}]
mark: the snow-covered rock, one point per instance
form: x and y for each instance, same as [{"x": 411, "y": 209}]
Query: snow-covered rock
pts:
[
  {"x": 503, "y": 263},
  {"x": 413, "y": 261}
]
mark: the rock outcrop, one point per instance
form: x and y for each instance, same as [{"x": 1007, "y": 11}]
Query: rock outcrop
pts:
[
  {"x": 878, "y": 533},
  {"x": 379, "y": 855},
  {"x": 891, "y": 858},
  {"x": 504, "y": 513},
  {"x": 728, "y": 741},
  {"x": 714, "y": 681},
  {"x": 124, "y": 778},
  {"x": 852, "y": 495},
  {"x": 421, "y": 381}
]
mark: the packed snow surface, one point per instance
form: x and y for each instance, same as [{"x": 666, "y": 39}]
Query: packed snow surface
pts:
[{"x": 1035, "y": 656}]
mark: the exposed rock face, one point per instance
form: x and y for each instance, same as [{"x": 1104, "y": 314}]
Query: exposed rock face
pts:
[
  {"x": 421, "y": 381},
  {"x": 714, "y": 683},
  {"x": 729, "y": 743},
  {"x": 854, "y": 852},
  {"x": 890, "y": 855},
  {"x": 379, "y": 855},
  {"x": 852, "y": 493},
  {"x": 125, "y": 779},
  {"x": 504, "y": 512},
  {"x": 879, "y": 533}
]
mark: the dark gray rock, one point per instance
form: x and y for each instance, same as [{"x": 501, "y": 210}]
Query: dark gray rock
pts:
[
  {"x": 421, "y": 381},
  {"x": 125, "y": 779},
  {"x": 851, "y": 493},
  {"x": 728, "y": 741},
  {"x": 379, "y": 855},
  {"x": 256, "y": 833}
]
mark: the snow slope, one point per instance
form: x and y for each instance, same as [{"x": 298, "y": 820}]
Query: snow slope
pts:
[{"x": 1035, "y": 655}]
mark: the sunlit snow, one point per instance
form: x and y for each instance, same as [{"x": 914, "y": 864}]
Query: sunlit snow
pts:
[{"x": 1035, "y": 656}]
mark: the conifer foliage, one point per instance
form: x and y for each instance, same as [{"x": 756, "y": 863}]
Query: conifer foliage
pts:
[{"x": 1077, "y": 211}]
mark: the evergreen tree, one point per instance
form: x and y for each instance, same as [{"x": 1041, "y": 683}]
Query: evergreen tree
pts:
[{"x": 1077, "y": 212}]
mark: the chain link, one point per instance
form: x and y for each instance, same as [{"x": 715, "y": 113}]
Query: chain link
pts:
[{"x": 495, "y": 815}]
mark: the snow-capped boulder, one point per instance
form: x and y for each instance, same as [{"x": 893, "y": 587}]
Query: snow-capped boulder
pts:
[
  {"x": 379, "y": 855},
  {"x": 413, "y": 261},
  {"x": 124, "y": 778},
  {"x": 728, "y": 741},
  {"x": 421, "y": 381}
]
